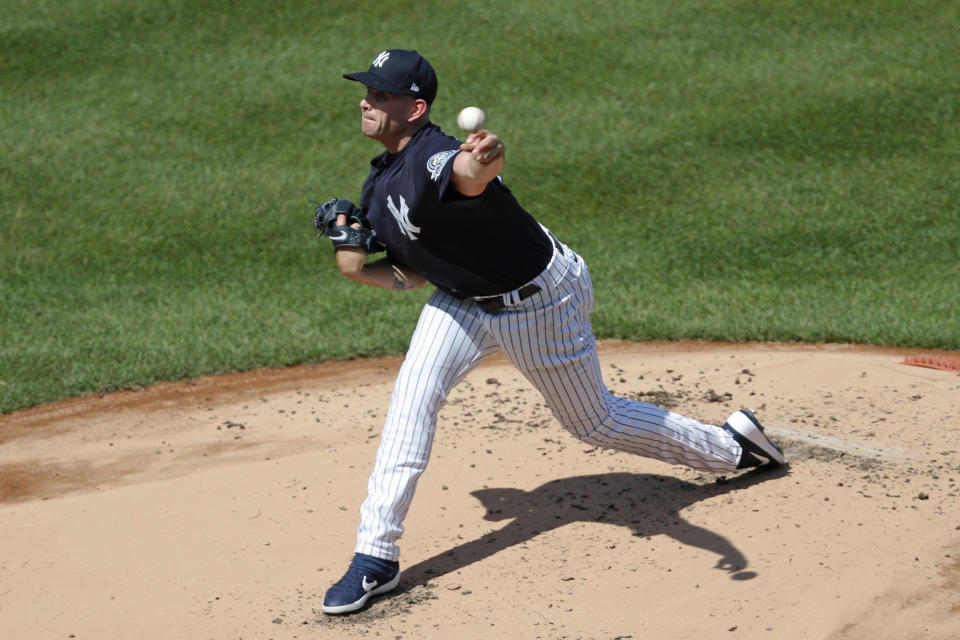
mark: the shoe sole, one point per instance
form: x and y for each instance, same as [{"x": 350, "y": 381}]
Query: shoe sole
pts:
[
  {"x": 749, "y": 427},
  {"x": 357, "y": 605}
]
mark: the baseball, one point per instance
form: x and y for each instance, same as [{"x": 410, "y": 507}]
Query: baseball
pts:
[{"x": 471, "y": 119}]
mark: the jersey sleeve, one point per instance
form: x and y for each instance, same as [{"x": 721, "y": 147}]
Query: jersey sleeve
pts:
[{"x": 440, "y": 172}]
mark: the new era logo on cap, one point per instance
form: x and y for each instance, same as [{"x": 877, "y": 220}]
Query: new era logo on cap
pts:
[{"x": 400, "y": 71}]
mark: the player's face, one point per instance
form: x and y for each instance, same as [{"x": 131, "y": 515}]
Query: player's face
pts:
[{"x": 384, "y": 115}]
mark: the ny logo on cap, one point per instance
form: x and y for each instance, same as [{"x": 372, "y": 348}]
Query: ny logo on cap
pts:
[{"x": 380, "y": 59}]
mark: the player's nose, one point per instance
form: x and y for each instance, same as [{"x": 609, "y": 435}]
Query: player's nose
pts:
[{"x": 365, "y": 103}]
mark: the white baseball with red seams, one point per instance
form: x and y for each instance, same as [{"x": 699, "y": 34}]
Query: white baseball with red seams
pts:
[{"x": 471, "y": 119}]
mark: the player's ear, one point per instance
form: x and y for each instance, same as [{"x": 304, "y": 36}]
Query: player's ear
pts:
[{"x": 418, "y": 108}]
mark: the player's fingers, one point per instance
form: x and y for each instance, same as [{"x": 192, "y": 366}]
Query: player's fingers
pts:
[
  {"x": 341, "y": 219},
  {"x": 489, "y": 150},
  {"x": 470, "y": 143},
  {"x": 485, "y": 146},
  {"x": 474, "y": 139}
]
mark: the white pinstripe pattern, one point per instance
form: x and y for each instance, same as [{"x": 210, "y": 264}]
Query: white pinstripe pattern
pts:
[{"x": 548, "y": 337}]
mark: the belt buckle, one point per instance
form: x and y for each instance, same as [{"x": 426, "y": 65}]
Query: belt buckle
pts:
[
  {"x": 490, "y": 304},
  {"x": 496, "y": 303}
]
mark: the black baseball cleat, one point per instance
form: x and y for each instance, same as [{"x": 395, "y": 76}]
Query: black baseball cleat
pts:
[
  {"x": 758, "y": 451},
  {"x": 367, "y": 576}
]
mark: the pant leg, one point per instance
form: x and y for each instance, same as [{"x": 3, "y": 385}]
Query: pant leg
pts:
[
  {"x": 550, "y": 339},
  {"x": 448, "y": 342}
]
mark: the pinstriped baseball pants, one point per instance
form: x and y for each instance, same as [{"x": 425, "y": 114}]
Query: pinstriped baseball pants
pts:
[{"x": 549, "y": 338}]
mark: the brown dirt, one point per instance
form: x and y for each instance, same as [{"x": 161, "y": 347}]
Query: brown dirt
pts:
[{"x": 223, "y": 507}]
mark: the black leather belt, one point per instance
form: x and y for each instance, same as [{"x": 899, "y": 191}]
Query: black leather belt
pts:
[{"x": 495, "y": 303}]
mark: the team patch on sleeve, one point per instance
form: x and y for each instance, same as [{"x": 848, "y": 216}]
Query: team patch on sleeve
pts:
[{"x": 437, "y": 161}]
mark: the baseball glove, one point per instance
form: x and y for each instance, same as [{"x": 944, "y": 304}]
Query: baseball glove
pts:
[{"x": 361, "y": 237}]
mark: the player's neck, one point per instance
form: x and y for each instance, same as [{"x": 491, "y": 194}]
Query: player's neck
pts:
[{"x": 395, "y": 144}]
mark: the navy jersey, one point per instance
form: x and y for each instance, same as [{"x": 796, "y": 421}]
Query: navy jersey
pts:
[{"x": 467, "y": 246}]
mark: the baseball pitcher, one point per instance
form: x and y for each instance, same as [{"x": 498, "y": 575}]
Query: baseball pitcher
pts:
[{"x": 504, "y": 283}]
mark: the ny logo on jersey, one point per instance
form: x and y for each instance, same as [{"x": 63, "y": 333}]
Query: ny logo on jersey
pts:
[
  {"x": 380, "y": 59},
  {"x": 402, "y": 216}
]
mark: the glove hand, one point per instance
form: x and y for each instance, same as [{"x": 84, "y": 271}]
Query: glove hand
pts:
[
  {"x": 355, "y": 237},
  {"x": 352, "y": 230},
  {"x": 325, "y": 215}
]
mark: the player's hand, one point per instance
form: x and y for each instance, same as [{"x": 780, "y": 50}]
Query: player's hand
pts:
[
  {"x": 342, "y": 220},
  {"x": 481, "y": 161},
  {"x": 484, "y": 146}
]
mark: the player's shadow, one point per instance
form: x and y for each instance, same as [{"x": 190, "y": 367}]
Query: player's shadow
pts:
[{"x": 647, "y": 504}]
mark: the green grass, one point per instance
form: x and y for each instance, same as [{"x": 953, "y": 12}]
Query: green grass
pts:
[{"x": 730, "y": 170}]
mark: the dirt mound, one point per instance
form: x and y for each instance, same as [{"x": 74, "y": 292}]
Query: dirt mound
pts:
[{"x": 224, "y": 507}]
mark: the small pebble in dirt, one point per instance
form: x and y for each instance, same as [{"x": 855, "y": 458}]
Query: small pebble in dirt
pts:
[{"x": 923, "y": 496}]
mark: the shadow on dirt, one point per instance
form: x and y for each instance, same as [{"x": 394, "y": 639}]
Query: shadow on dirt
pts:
[{"x": 647, "y": 504}]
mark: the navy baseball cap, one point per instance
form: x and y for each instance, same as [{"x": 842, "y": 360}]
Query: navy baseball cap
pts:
[{"x": 400, "y": 71}]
